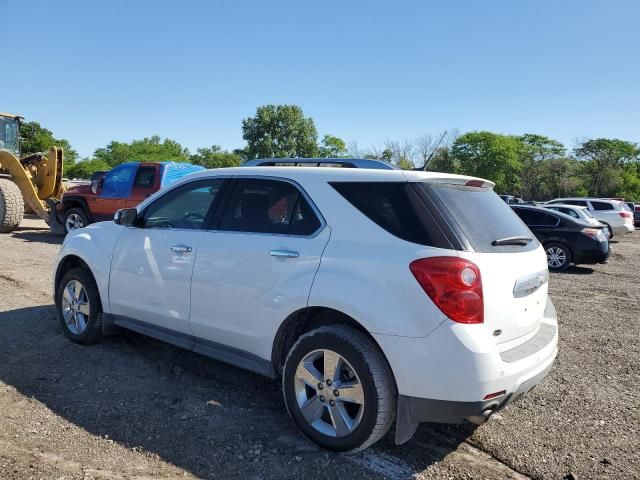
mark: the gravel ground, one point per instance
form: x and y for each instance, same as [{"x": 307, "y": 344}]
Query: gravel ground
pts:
[{"x": 132, "y": 407}]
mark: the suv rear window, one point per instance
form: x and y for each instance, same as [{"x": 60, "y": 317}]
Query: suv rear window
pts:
[{"x": 482, "y": 216}]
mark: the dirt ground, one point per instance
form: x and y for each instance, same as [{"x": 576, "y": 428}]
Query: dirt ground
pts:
[{"x": 136, "y": 408}]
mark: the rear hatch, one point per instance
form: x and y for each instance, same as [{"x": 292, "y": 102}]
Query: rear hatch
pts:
[{"x": 512, "y": 264}]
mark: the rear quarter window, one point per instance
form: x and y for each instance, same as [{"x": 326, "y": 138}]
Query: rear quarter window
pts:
[{"x": 395, "y": 207}]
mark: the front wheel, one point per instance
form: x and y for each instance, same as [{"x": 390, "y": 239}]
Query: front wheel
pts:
[
  {"x": 339, "y": 389},
  {"x": 558, "y": 256},
  {"x": 75, "y": 218},
  {"x": 78, "y": 305}
]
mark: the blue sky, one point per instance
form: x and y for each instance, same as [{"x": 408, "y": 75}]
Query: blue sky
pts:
[{"x": 364, "y": 70}]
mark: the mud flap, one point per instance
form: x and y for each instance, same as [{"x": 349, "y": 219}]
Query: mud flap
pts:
[
  {"x": 405, "y": 427},
  {"x": 107, "y": 325}
]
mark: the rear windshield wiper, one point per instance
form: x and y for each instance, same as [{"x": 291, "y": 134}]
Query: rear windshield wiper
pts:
[{"x": 512, "y": 241}]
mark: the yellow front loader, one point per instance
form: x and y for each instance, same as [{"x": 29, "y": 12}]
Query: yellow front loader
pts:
[{"x": 34, "y": 182}]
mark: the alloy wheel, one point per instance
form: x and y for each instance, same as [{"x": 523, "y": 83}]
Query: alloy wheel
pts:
[
  {"x": 73, "y": 222},
  {"x": 329, "y": 393},
  {"x": 75, "y": 307},
  {"x": 556, "y": 257}
]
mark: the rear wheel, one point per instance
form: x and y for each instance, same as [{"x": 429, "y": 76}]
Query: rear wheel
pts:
[
  {"x": 11, "y": 206},
  {"x": 339, "y": 389},
  {"x": 558, "y": 256},
  {"x": 608, "y": 232},
  {"x": 75, "y": 218}
]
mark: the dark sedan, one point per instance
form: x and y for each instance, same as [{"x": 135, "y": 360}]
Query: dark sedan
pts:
[{"x": 565, "y": 239}]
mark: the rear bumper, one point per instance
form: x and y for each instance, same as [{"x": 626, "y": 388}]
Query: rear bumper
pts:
[
  {"x": 592, "y": 252},
  {"x": 446, "y": 376},
  {"x": 623, "y": 229}
]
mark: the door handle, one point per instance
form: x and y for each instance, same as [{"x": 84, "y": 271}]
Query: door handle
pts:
[
  {"x": 284, "y": 253},
  {"x": 180, "y": 249}
]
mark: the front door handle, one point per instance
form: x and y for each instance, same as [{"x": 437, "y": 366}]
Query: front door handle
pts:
[
  {"x": 180, "y": 249},
  {"x": 284, "y": 253}
]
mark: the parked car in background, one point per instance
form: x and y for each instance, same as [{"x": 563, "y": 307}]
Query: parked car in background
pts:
[
  {"x": 610, "y": 212},
  {"x": 511, "y": 199},
  {"x": 635, "y": 209},
  {"x": 122, "y": 187},
  {"x": 380, "y": 297},
  {"x": 566, "y": 240},
  {"x": 580, "y": 213}
]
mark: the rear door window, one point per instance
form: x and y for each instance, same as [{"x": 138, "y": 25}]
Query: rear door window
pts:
[
  {"x": 534, "y": 218},
  {"x": 602, "y": 205},
  {"x": 269, "y": 206}
]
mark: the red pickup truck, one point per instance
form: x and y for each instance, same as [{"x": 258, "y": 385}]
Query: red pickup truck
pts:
[{"x": 124, "y": 186}]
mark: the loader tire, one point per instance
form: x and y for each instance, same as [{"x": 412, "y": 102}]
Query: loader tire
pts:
[{"x": 11, "y": 206}]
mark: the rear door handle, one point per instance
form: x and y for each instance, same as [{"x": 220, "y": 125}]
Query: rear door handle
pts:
[
  {"x": 180, "y": 249},
  {"x": 284, "y": 253}
]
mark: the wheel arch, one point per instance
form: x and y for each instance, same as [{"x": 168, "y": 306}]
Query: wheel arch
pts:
[
  {"x": 77, "y": 202},
  {"x": 70, "y": 262},
  {"x": 304, "y": 320}
]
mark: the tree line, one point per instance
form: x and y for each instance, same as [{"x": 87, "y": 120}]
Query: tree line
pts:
[{"x": 534, "y": 167}]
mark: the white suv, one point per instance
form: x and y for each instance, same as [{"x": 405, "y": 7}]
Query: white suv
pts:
[
  {"x": 610, "y": 212},
  {"x": 377, "y": 295}
]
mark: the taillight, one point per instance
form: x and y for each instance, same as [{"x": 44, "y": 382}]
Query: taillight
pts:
[
  {"x": 595, "y": 233},
  {"x": 454, "y": 285},
  {"x": 625, "y": 214},
  {"x": 636, "y": 208}
]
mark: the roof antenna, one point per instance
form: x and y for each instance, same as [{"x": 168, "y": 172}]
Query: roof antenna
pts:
[{"x": 426, "y": 162}]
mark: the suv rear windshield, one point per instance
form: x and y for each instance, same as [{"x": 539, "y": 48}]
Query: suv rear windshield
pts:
[
  {"x": 422, "y": 212},
  {"x": 482, "y": 216}
]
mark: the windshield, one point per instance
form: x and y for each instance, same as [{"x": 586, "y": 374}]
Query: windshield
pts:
[{"x": 9, "y": 134}]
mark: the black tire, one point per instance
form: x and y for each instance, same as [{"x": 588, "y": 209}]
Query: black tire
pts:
[
  {"x": 75, "y": 213},
  {"x": 376, "y": 379},
  {"x": 93, "y": 331},
  {"x": 568, "y": 257},
  {"x": 11, "y": 206},
  {"x": 610, "y": 231}
]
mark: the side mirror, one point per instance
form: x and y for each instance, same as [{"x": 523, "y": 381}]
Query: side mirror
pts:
[
  {"x": 94, "y": 186},
  {"x": 126, "y": 216}
]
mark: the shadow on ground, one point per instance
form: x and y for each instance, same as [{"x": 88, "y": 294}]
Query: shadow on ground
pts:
[
  {"x": 196, "y": 413},
  {"x": 37, "y": 235},
  {"x": 578, "y": 270}
]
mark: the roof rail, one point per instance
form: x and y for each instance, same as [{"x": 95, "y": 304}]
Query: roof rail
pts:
[{"x": 321, "y": 162}]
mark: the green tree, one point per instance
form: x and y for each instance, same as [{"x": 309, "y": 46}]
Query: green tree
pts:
[
  {"x": 215, "y": 157},
  {"x": 146, "y": 150},
  {"x": 491, "y": 156},
  {"x": 332, "y": 147},
  {"x": 280, "y": 131},
  {"x": 34, "y": 138},
  {"x": 443, "y": 161},
  {"x": 536, "y": 152},
  {"x": 603, "y": 161},
  {"x": 87, "y": 167},
  {"x": 629, "y": 182}
]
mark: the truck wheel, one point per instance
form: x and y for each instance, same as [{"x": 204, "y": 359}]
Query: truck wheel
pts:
[
  {"x": 75, "y": 218},
  {"x": 339, "y": 389},
  {"x": 11, "y": 205}
]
